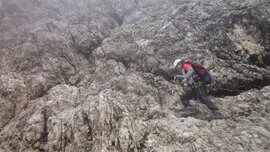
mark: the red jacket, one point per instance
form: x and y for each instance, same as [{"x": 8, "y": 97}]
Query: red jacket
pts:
[
  {"x": 189, "y": 71},
  {"x": 186, "y": 65}
]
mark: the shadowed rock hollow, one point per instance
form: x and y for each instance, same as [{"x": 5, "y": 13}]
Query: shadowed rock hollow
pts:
[{"x": 91, "y": 75}]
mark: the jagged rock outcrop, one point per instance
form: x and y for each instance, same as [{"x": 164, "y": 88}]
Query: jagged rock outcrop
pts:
[{"x": 93, "y": 75}]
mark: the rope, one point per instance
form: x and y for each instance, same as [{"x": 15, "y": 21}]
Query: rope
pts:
[
  {"x": 235, "y": 90},
  {"x": 231, "y": 90}
]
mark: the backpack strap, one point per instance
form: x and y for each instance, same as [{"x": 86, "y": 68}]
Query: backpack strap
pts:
[{"x": 200, "y": 70}]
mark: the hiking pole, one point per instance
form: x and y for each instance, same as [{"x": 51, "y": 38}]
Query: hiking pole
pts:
[
  {"x": 166, "y": 72},
  {"x": 174, "y": 76}
]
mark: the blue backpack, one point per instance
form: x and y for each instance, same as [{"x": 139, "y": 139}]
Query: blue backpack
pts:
[{"x": 202, "y": 73}]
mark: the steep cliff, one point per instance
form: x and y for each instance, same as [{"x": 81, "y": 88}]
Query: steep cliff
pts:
[{"x": 94, "y": 75}]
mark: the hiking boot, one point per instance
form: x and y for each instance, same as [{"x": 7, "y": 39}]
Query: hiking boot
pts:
[
  {"x": 188, "y": 111},
  {"x": 216, "y": 115}
]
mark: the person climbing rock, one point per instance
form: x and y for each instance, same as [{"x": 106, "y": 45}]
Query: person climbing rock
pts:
[{"x": 195, "y": 78}]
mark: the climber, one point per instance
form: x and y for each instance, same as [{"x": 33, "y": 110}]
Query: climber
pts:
[{"x": 195, "y": 88}]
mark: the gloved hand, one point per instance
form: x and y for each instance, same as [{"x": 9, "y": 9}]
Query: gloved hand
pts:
[{"x": 184, "y": 81}]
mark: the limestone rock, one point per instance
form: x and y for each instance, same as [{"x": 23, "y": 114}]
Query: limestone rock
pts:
[{"x": 94, "y": 75}]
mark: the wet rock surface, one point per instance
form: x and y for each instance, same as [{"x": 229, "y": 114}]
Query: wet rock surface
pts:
[{"x": 95, "y": 75}]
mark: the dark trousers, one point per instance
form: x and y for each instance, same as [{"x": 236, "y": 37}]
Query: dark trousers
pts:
[{"x": 199, "y": 92}]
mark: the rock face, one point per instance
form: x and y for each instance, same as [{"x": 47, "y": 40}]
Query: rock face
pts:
[{"x": 93, "y": 75}]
